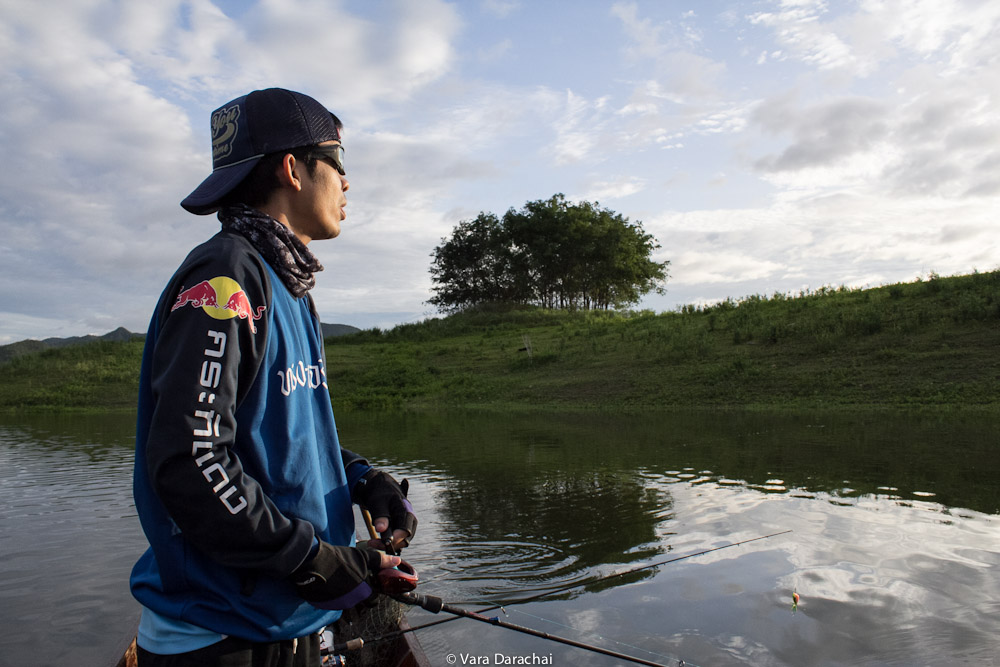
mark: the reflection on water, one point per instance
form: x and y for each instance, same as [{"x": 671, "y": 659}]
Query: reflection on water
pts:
[
  {"x": 895, "y": 533},
  {"x": 895, "y": 546},
  {"x": 69, "y": 535}
]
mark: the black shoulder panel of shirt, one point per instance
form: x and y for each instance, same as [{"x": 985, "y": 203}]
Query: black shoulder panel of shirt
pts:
[{"x": 210, "y": 343}]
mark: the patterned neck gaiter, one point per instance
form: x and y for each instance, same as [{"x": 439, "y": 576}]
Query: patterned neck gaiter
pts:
[{"x": 287, "y": 255}]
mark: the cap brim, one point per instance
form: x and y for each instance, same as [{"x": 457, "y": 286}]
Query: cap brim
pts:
[{"x": 205, "y": 198}]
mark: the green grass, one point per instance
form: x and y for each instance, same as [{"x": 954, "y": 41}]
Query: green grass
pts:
[
  {"x": 930, "y": 343},
  {"x": 100, "y": 376},
  {"x": 927, "y": 343}
]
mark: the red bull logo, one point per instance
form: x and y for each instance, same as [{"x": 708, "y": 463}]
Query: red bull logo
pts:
[
  {"x": 202, "y": 294},
  {"x": 208, "y": 294}
]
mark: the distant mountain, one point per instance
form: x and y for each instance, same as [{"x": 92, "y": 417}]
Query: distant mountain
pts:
[
  {"x": 8, "y": 352},
  {"x": 331, "y": 330},
  {"x": 119, "y": 334},
  {"x": 21, "y": 347}
]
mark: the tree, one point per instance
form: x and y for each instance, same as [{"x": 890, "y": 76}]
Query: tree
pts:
[
  {"x": 552, "y": 253},
  {"x": 471, "y": 267}
]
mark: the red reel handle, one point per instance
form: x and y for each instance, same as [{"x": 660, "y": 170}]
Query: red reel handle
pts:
[{"x": 398, "y": 580}]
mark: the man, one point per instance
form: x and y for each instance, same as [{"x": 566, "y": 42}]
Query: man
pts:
[{"x": 241, "y": 485}]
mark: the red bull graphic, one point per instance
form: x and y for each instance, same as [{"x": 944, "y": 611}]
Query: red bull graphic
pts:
[
  {"x": 240, "y": 304},
  {"x": 208, "y": 294},
  {"x": 202, "y": 294}
]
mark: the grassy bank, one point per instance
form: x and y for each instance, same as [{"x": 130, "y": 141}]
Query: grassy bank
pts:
[
  {"x": 100, "y": 377},
  {"x": 929, "y": 343}
]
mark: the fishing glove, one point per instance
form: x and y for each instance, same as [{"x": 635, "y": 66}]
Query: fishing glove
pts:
[
  {"x": 338, "y": 577},
  {"x": 381, "y": 495}
]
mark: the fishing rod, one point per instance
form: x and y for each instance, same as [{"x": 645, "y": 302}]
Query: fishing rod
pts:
[
  {"x": 590, "y": 582},
  {"x": 436, "y": 605},
  {"x": 385, "y": 539},
  {"x": 477, "y": 615}
]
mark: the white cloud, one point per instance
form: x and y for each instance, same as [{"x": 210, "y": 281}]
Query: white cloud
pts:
[
  {"x": 872, "y": 34},
  {"x": 827, "y": 240},
  {"x": 107, "y": 153},
  {"x": 500, "y": 8},
  {"x": 649, "y": 39},
  {"x": 823, "y": 134},
  {"x": 827, "y": 45},
  {"x": 356, "y": 64},
  {"x": 186, "y": 43},
  {"x": 726, "y": 120},
  {"x": 694, "y": 267},
  {"x": 644, "y": 36},
  {"x": 940, "y": 144},
  {"x": 496, "y": 51},
  {"x": 99, "y": 156},
  {"x": 681, "y": 73},
  {"x": 863, "y": 145},
  {"x": 934, "y": 132},
  {"x": 605, "y": 190},
  {"x": 959, "y": 32},
  {"x": 576, "y": 130}
]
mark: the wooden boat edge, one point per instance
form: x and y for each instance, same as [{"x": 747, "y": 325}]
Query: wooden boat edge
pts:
[{"x": 408, "y": 651}]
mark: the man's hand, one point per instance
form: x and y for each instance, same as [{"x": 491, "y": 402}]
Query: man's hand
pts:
[
  {"x": 399, "y": 539},
  {"x": 386, "y": 501},
  {"x": 389, "y": 561},
  {"x": 341, "y": 577}
]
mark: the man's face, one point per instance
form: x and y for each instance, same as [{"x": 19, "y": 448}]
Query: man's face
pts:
[{"x": 320, "y": 205}]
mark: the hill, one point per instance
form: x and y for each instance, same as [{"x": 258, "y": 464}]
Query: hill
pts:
[
  {"x": 29, "y": 346},
  {"x": 333, "y": 330},
  {"x": 12, "y": 350},
  {"x": 928, "y": 344}
]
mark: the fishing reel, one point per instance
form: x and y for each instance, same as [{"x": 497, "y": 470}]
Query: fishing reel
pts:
[{"x": 397, "y": 580}]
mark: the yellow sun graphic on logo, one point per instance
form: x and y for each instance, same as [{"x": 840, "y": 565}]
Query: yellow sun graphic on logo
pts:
[{"x": 225, "y": 287}]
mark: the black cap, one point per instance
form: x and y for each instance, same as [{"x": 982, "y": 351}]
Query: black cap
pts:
[{"x": 250, "y": 127}]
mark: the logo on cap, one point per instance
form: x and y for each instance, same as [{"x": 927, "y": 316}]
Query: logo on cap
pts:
[{"x": 224, "y": 128}]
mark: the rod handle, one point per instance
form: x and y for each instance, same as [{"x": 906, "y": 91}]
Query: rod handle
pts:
[
  {"x": 431, "y": 603},
  {"x": 349, "y": 645}
]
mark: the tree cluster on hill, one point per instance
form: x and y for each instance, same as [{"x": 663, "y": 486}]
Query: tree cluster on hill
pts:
[{"x": 551, "y": 253}]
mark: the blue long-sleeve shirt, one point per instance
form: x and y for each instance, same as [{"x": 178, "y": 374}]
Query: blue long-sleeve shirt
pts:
[{"x": 238, "y": 467}]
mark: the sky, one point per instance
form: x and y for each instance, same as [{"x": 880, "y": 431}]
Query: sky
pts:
[{"x": 770, "y": 146}]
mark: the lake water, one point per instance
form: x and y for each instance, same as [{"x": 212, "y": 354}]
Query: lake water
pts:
[{"x": 894, "y": 549}]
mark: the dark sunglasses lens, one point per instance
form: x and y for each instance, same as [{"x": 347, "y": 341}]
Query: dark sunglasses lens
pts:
[
  {"x": 336, "y": 153},
  {"x": 333, "y": 153}
]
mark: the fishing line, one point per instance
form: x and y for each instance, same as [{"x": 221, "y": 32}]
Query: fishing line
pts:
[
  {"x": 436, "y": 605},
  {"x": 397, "y": 633},
  {"x": 590, "y": 582},
  {"x": 607, "y": 639}
]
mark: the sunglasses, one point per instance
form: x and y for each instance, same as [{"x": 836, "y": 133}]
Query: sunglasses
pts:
[{"x": 333, "y": 153}]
